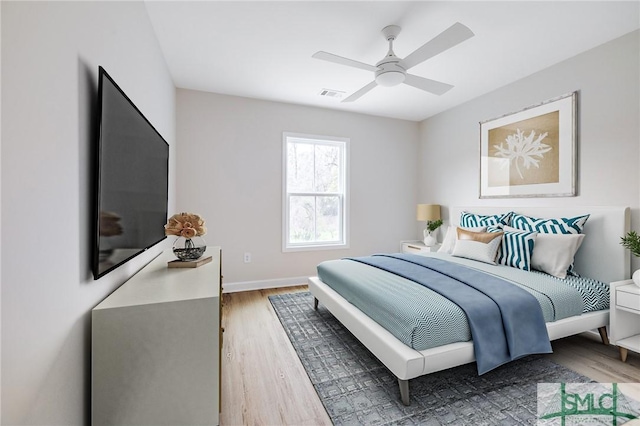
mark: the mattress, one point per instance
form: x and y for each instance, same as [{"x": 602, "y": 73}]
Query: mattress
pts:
[{"x": 423, "y": 319}]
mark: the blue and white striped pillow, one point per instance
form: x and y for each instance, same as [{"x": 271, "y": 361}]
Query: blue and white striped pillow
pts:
[
  {"x": 517, "y": 249},
  {"x": 494, "y": 223},
  {"x": 563, "y": 225}
]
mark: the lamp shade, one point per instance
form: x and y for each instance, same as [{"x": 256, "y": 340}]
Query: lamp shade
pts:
[{"x": 428, "y": 212}]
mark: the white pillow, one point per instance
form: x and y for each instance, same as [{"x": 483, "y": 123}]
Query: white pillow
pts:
[
  {"x": 451, "y": 236},
  {"x": 554, "y": 253},
  {"x": 478, "y": 250}
]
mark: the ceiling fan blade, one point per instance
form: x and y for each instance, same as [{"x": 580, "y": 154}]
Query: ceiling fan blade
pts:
[
  {"x": 455, "y": 34},
  {"x": 343, "y": 61},
  {"x": 431, "y": 86},
  {"x": 360, "y": 92}
]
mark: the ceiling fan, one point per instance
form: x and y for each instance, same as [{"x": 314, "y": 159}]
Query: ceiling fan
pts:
[{"x": 391, "y": 70}]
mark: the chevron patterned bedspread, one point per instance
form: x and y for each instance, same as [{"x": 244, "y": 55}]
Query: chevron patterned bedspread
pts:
[{"x": 423, "y": 319}]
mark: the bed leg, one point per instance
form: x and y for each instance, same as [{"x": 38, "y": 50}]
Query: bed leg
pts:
[
  {"x": 315, "y": 304},
  {"x": 404, "y": 391},
  {"x": 603, "y": 335}
]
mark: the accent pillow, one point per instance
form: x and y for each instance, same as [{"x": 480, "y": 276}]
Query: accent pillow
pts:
[
  {"x": 554, "y": 253},
  {"x": 517, "y": 248},
  {"x": 492, "y": 222},
  {"x": 449, "y": 241},
  {"x": 563, "y": 225},
  {"x": 480, "y": 246}
]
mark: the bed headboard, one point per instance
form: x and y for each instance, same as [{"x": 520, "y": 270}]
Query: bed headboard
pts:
[{"x": 601, "y": 256}]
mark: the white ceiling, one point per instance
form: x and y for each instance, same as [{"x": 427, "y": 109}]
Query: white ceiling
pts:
[{"x": 263, "y": 49}]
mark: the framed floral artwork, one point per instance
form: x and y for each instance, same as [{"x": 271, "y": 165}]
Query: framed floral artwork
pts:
[{"x": 530, "y": 153}]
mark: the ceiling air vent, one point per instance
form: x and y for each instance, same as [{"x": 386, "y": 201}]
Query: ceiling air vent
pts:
[{"x": 330, "y": 93}]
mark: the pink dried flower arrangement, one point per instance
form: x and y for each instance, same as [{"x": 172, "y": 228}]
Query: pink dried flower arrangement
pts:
[{"x": 186, "y": 225}]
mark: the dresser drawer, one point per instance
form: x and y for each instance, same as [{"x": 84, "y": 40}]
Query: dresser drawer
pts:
[
  {"x": 418, "y": 247},
  {"x": 628, "y": 300},
  {"x": 413, "y": 248}
]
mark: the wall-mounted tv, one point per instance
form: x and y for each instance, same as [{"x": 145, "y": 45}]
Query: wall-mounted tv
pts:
[{"x": 132, "y": 180}]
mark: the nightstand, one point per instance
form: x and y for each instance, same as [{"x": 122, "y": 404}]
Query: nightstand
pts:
[
  {"x": 624, "y": 319},
  {"x": 417, "y": 247}
]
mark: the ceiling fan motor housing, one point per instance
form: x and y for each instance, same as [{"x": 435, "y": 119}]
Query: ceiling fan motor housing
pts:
[{"x": 390, "y": 72}]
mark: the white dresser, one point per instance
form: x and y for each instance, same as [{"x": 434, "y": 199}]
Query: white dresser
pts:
[{"x": 155, "y": 347}]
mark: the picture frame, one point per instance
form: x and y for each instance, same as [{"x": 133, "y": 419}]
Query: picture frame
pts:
[{"x": 532, "y": 152}]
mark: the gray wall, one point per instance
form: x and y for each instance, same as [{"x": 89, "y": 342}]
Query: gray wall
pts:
[
  {"x": 607, "y": 81},
  {"x": 230, "y": 171},
  {"x": 50, "y": 57}
]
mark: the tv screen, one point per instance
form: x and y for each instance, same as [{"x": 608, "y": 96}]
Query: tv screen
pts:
[{"x": 132, "y": 180}]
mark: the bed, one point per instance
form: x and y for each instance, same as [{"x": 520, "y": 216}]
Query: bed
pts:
[{"x": 600, "y": 257}]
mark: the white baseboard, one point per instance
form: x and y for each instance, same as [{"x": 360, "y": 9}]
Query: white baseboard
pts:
[{"x": 263, "y": 284}]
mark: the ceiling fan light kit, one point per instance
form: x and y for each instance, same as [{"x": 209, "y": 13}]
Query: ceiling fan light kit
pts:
[
  {"x": 389, "y": 78},
  {"x": 391, "y": 70}
]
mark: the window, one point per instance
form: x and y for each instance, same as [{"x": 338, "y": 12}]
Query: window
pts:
[{"x": 315, "y": 201}]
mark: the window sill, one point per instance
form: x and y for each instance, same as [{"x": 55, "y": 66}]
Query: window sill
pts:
[{"x": 315, "y": 247}]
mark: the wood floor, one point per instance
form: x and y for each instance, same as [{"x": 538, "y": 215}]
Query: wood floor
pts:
[{"x": 264, "y": 383}]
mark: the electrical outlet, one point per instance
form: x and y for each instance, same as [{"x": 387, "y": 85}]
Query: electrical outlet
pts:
[{"x": 247, "y": 257}]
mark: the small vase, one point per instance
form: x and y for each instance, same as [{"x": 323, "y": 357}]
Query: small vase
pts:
[
  {"x": 636, "y": 277},
  {"x": 429, "y": 239},
  {"x": 187, "y": 249}
]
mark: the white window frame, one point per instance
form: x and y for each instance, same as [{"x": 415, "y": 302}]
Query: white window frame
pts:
[{"x": 344, "y": 195}]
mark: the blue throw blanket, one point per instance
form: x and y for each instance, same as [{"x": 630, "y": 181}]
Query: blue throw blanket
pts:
[{"x": 506, "y": 322}]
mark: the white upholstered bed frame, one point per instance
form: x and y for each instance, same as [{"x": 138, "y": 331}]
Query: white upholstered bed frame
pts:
[{"x": 601, "y": 256}]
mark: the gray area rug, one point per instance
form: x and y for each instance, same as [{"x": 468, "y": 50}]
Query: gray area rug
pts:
[{"x": 356, "y": 388}]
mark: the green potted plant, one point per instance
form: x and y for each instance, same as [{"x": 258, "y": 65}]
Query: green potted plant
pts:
[
  {"x": 432, "y": 225},
  {"x": 631, "y": 241}
]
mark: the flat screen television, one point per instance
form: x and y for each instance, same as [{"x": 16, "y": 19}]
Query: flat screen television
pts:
[{"x": 132, "y": 180}]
